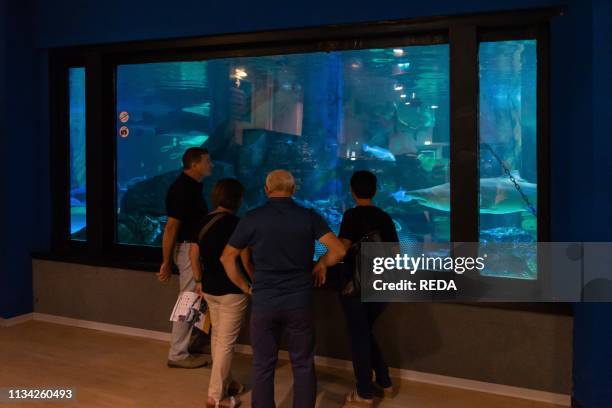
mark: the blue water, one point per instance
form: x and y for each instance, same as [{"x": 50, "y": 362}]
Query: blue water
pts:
[
  {"x": 508, "y": 121},
  {"x": 78, "y": 202}
]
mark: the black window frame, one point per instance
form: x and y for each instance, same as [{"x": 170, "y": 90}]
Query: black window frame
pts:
[
  {"x": 59, "y": 106},
  {"x": 462, "y": 33}
]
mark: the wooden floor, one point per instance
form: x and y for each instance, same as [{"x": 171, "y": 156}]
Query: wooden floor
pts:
[{"x": 109, "y": 370}]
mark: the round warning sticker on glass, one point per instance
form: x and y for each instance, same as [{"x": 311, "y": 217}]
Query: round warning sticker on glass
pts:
[
  {"x": 124, "y": 117},
  {"x": 124, "y": 131}
]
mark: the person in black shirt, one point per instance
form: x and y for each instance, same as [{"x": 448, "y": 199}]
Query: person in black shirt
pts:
[
  {"x": 185, "y": 205},
  {"x": 227, "y": 303},
  {"x": 360, "y": 317}
]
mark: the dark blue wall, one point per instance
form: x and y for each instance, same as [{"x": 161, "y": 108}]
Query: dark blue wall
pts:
[
  {"x": 3, "y": 144},
  {"x": 67, "y": 22},
  {"x": 23, "y": 174},
  {"x": 581, "y": 127},
  {"x": 602, "y": 120},
  {"x": 592, "y": 374}
]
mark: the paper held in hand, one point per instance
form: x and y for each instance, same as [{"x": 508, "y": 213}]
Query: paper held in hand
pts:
[{"x": 190, "y": 308}]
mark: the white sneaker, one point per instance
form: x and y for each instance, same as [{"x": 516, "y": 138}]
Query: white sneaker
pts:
[{"x": 353, "y": 400}]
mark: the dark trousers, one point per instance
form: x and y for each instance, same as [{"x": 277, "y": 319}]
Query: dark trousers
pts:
[
  {"x": 267, "y": 326},
  {"x": 360, "y": 318}
]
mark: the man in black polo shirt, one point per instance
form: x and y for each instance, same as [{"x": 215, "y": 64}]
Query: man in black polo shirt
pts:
[
  {"x": 185, "y": 206},
  {"x": 281, "y": 236}
]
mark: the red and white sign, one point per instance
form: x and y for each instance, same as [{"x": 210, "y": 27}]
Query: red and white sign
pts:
[{"x": 124, "y": 131}]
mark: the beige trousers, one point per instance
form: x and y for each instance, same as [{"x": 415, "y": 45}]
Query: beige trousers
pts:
[
  {"x": 181, "y": 331},
  {"x": 226, "y": 314}
]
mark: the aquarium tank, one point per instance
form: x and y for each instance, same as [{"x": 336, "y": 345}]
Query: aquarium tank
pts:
[
  {"x": 322, "y": 116},
  {"x": 319, "y": 115},
  {"x": 508, "y": 155}
]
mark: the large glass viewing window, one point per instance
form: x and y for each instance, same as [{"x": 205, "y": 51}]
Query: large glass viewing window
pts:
[
  {"x": 508, "y": 151},
  {"x": 319, "y": 115},
  {"x": 451, "y": 114}
]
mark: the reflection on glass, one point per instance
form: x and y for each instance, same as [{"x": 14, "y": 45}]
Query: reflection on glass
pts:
[
  {"x": 78, "y": 206},
  {"x": 319, "y": 115},
  {"x": 508, "y": 171}
]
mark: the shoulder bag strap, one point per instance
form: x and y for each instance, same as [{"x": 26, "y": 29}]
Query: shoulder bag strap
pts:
[{"x": 209, "y": 224}]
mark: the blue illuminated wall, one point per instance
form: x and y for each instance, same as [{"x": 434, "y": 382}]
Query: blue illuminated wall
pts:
[{"x": 581, "y": 128}]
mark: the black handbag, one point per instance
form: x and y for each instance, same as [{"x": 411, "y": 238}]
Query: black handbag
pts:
[{"x": 350, "y": 282}]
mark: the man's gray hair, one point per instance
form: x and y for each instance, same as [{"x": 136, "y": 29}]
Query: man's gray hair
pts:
[{"x": 281, "y": 181}]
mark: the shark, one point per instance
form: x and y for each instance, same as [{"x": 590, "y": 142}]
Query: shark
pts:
[
  {"x": 498, "y": 195},
  {"x": 191, "y": 139},
  {"x": 379, "y": 153}
]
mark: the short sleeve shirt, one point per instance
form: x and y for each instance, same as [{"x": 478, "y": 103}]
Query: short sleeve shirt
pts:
[
  {"x": 214, "y": 279},
  {"x": 281, "y": 235},
  {"x": 185, "y": 202},
  {"x": 364, "y": 219}
]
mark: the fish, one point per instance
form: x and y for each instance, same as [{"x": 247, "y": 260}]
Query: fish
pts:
[
  {"x": 322, "y": 203},
  {"x": 498, "y": 195},
  {"x": 75, "y": 203},
  {"x": 401, "y": 196},
  {"x": 78, "y": 190},
  {"x": 193, "y": 141},
  {"x": 187, "y": 140},
  {"x": 304, "y": 202},
  {"x": 175, "y": 122},
  {"x": 202, "y": 109},
  {"x": 79, "y": 193},
  {"x": 398, "y": 226},
  {"x": 135, "y": 180},
  {"x": 324, "y": 208},
  {"x": 379, "y": 152}
]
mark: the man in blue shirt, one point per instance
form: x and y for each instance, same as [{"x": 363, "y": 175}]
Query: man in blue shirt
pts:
[{"x": 281, "y": 236}]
